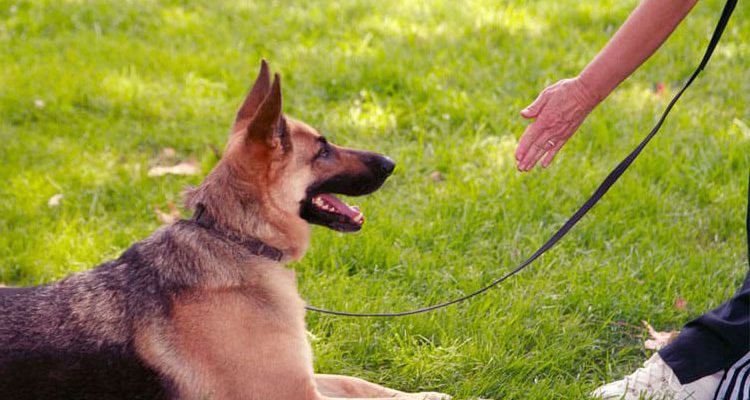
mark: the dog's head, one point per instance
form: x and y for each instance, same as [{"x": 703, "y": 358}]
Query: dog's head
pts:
[{"x": 292, "y": 169}]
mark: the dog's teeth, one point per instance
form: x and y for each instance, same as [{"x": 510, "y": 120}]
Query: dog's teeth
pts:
[{"x": 359, "y": 218}]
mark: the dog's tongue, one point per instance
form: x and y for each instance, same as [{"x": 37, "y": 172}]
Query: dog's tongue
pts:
[{"x": 338, "y": 205}]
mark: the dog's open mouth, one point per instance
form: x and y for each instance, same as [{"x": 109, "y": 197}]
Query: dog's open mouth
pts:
[
  {"x": 330, "y": 204},
  {"x": 327, "y": 210},
  {"x": 321, "y": 207}
]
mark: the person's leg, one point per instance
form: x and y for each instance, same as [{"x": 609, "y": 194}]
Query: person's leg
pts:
[
  {"x": 717, "y": 339},
  {"x": 694, "y": 365},
  {"x": 714, "y": 341},
  {"x": 735, "y": 384}
]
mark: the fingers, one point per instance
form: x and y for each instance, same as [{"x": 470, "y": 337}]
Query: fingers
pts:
[
  {"x": 543, "y": 138},
  {"x": 527, "y": 139},
  {"x": 542, "y": 143},
  {"x": 536, "y": 151},
  {"x": 532, "y": 131},
  {"x": 551, "y": 154},
  {"x": 533, "y": 109},
  {"x": 544, "y": 148}
]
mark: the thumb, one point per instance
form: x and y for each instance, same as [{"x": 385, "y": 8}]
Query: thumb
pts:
[{"x": 533, "y": 109}]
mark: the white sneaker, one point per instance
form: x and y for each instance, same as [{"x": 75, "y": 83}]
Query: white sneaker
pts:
[{"x": 656, "y": 381}]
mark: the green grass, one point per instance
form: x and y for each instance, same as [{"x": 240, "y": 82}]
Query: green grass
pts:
[{"x": 437, "y": 85}]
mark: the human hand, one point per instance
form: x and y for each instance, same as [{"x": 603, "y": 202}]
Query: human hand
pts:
[{"x": 558, "y": 111}]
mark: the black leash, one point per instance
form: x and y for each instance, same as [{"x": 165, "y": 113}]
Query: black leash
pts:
[{"x": 598, "y": 194}]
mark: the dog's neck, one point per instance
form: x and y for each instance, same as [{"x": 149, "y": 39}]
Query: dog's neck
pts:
[
  {"x": 223, "y": 199},
  {"x": 252, "y": 245}
]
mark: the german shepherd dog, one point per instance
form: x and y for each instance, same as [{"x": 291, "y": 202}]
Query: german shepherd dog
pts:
[{"x": 203, "y": 308}]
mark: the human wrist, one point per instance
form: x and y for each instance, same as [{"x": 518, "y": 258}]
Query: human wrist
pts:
[{"x": 586, "y": 94}]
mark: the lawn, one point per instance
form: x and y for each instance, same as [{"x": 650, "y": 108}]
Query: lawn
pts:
[{"x": 92, "y": 92}]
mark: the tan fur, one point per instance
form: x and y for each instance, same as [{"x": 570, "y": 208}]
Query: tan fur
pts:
[{"x": 228, "y": 343}]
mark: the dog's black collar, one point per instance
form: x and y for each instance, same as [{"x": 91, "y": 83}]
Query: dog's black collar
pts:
[{"x": 255, "y": 246}]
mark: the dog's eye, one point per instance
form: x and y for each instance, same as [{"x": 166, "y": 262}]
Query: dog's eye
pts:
[{"x": 324, "y": 152}]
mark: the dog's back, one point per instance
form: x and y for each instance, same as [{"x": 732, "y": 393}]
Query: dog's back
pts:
[
  {"x": 76, "y": 338},
  {"x": 69, "y": 340}
]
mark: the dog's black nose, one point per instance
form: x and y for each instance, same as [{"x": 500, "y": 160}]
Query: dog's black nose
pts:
[{"x": 386, "y": 165}]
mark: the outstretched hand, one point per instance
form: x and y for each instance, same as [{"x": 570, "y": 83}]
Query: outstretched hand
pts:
[{"x": 558, "y": 111}]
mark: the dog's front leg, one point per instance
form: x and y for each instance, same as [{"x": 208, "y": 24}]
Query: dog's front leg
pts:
[{"x": 347, "y": 387}]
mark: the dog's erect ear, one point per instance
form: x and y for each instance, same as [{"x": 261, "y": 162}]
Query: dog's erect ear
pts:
[
  {"x": 268, "y": 124},
  {"x": 259, "y": 92}
]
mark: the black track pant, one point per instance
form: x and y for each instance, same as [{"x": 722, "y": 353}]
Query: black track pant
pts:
[{"x": 717, "y": 340}]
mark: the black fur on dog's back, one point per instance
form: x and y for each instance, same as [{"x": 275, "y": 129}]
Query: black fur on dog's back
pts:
[{"x": 74, "y": 339}]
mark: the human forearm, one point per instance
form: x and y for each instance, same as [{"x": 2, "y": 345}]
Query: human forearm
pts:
[
  {"x": 638, "y": 38},
  {"x": 561, "y": 108}
]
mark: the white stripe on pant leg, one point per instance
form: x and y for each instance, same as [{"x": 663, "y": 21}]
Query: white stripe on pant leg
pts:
[
  {"x": 729, "y": 377},
  {"x": 738, "y": 382}
]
